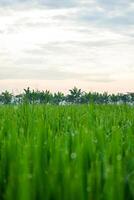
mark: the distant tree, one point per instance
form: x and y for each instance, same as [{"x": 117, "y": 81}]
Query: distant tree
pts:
[
  {"x": 124, "y": 98},
  {"x": 34, "y": 97},
  {"x": 114, "y": 98},
  {"x": 18, "y": 98},
  {"x": 45, "y": 97},
  {"x": 106, "y": 98},
  {"x": 131, "y": 97},
  {"x": 58, "y": 98},
  {"x": 1, "y": 99},
  {"x": 95, "y": 97},
  {"x": 75, "y": 95},
  {"x": 27, "y": 97},
  {"x": 6, "y": 97},
  {"x": 86, "y": 98}
]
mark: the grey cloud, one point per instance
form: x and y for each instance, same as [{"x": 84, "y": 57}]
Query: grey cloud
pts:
[
  {"x": 2, "y": 31},
  {"x": 112, "y": 4},
  {"x": 51, "y": 74},
  {"x": 87, "y": 13},
  {"x": 46, "y": 74},
  {"x": 75, "y": 52},
  {"x": 48, "y": 3},
  {"x": 107, "y": 13},
  {"x": 58, "y": 3},
  {"x": 108, "y": 4},
  {"x": 34, "y": 60},
  {"x": 105, "y": 19},
  {"x": 11, "y": 2},
  {"x": 35, "y": 52},
  {"x": 66, "y": 47},
  {"x": 69, "y": 54}
]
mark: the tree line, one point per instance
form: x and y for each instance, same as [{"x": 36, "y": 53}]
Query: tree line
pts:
[{"x": 75, "y": 96}]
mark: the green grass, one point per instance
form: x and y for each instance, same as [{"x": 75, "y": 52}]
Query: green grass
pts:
[{"x": 67, "y": 152}]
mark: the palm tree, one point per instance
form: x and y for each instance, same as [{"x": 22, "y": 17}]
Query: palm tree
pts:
[
  {"x": 1, "y": 99},
  {"x": 96, "y": 98},
  {"x": 75, "y": 95},
  {"x": 131, "y": 97},
  {"x": 58, "y": 98},
  {"x": 6, "y": 97},
  {"x": 27, "y": 95},
  {"x": 105, "y": 98},
  {"x": 34, "y": 96},
  {"x": 45, "y": 97},
  {"x": 114, "y": 98},
  {"x": 86, "y": 98},
  {"x": 124, "y": 98},
  {"x": 18, "y": 98}
]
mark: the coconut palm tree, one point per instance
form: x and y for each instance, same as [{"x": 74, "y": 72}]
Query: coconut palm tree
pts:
[
  {"x": 131, "y": 97},
  {"x": 105, "y": 98},
  {"x": 46, "y": 97},
  {"x": 124, "y": 98},
  {"x": 75, "y": 95},
  {"x": 6, "y": 97},
  {"x": 27, "y": 97},
  {"x": 58, "y": 98},
  {"x": 1, "y": 99}
]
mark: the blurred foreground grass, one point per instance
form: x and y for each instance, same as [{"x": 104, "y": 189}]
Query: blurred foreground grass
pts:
[{"x": 67, "y": 152}]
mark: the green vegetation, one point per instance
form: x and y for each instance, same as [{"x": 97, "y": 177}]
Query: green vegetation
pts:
[
  {"x": 75, "y": 96},
  {"x": 83, "y": 152}
]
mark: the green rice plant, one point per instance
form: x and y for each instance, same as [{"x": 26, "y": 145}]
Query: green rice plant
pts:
[{"x": 83, "y": 152}]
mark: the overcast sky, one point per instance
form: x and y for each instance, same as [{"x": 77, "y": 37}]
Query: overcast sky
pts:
[{"x": 56, "y": 44}]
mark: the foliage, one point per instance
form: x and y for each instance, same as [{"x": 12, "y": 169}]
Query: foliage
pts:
[
  {"x": 68, "y": 152},
  {"x": 6, "y": 97},
  {"x": 75, "y": 96}
]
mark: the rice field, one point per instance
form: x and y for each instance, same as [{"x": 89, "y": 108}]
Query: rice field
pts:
[{"x": 83, "y": 152}]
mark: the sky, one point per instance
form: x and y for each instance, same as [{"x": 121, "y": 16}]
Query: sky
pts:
[{"x": 59, "y": 44}]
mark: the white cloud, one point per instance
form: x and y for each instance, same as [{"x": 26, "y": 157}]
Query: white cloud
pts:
[{"x": 84, "y": 40}]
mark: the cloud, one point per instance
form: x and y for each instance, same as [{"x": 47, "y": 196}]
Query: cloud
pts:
[
  {"x": 51, "y": 74},
  {"x": 113, "y": 4},
  {"x": 47, "y": 3},
  {"x": 112, "y": 13},
  {"x": 58, "y": 3},
  {"x": 104, "y": 4},
  {"x": 97, "y": 12},
  {"x": 88, "y": 40}
]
